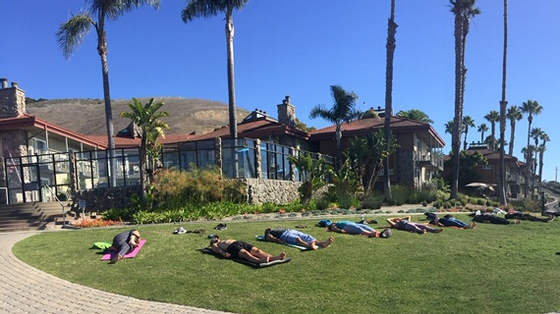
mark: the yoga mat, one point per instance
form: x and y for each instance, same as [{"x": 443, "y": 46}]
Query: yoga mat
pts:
[
  {"x": 111, "y": 254},
  {"x": 208, "y": 250}
]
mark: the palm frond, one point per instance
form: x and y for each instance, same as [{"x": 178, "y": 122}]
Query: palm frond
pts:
[
  {"x": 71, "y": 34},
  {"x": 209, "y": 8}
]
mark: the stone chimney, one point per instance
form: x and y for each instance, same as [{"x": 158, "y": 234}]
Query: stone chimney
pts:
[
  {"x": 287, "y": 113},
  {"x": 12, "y": 100}
]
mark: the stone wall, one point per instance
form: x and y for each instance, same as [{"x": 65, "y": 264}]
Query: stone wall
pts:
[{"x": 261, "y": 191}]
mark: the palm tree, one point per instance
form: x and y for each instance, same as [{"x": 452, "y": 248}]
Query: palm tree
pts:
[
  {"x": 210, "y": 8},
  {"x": 312, "y": 172},
  {"x": 468, "y": 11},
  {"x": 415, "y": 114},
  {"x": 468, "y": 121},
  {"x": 449, "y": 127},
  {"x": 493, "y": 116},
  {"x": 147, "y": 119},
  {"x": 391, "y": 45},
  {"x": 503, "y": 107},
  {"x": 482, "y": 128},
  {"x": 530, "y": 108},
  {"x": 514, "y": 114},
  {"x": 71, "y": 34},
  {"x": 541, "y": 149},
  {"x": 341, "y": 111}
]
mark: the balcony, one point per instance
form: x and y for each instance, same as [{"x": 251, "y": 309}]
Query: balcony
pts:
[{"x": 433, "y": 162}]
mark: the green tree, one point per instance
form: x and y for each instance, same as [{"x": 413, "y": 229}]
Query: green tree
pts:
[
  {"x": 415, "y": 114},
  {"x": 468, "y": 165},
  {"x": 468, "y": 121},
  {"x": 391, "y": 46},
  {"x": 482, "y": 128},
  {"x": 369, "y": 152},
  {"x": 210, "y": 8},
  {"x": 514, "y": 114},
  {"x": 530, "y": 108},
  {"x": 341, "y": 111},
  {"x": 71, "y": 34},
  {"x": 148, "y": 120},
  {"x": 312, "y": 172},
  {"x": 493, "y": 116}
]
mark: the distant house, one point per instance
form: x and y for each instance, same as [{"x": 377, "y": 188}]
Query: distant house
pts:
[
  {"x": 490, "y": 173},
  {"x": 417, "y": 160}
]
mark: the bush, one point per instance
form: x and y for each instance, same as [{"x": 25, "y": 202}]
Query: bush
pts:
[{"x": 372, "y": 202}]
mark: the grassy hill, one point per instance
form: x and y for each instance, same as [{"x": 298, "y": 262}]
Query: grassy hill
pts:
[{"x": 87, "y": 116}]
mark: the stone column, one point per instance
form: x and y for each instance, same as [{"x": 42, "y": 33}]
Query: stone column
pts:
[
  {"x": 218, "y": 154},
  {"x": 258, "y": 159}
]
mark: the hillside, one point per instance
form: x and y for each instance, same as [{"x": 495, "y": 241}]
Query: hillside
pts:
[{"x": 87, "y": 116}]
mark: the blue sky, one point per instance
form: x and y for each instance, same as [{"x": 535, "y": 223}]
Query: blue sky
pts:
[{"x": 300, "y": 48}]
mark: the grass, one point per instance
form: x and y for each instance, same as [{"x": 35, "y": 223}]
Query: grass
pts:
[{"x": 491, "y": 269}]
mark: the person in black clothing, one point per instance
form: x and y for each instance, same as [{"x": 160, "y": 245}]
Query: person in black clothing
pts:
[
  {"x": 493, "y": 219},
  {"x": 524, "y": 216}
]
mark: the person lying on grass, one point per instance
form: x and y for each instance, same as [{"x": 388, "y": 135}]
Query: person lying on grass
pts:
[
  {"x": 524, "y": 216},
  {"x": 124, "y": 243},
  {"x": 295, "y": 237},
  {"x": 448, "y": 221},
  {"x": 350, "y": 227},
  {"x": 493, "y": 219},
  {"x": 232, "y": 248},
  {"x": 406, "y": 224}
]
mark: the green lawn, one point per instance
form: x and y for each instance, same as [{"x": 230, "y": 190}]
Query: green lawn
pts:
[{"x": 490, "y": 269}]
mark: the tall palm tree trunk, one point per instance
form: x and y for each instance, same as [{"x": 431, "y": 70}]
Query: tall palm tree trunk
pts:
[
  {"x": 511, "y": 137},
  {"x": 458, "y": 119},
  {"x": 529, "y": 167},
  {"x": 503, "y": 106},
  {"x": 231, "y": 87},
  {"x": 102, "y": 51},
  {"x": 391, "y": 45}
]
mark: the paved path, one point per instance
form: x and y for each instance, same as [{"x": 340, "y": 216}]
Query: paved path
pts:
[{"x": 24, "y": 289}]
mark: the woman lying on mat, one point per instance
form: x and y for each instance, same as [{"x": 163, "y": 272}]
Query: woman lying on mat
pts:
[
  {"x": 232, "y": 248},
  {"x": 406, "y": 224},
  {"x": 124, "y": 243},
  {"x": 350, "y": 227},
  {"x": 295, "y": 237}
]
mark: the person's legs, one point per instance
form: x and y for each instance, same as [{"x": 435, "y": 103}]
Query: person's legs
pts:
[
  {"x": 499, "y": 220},
  {"x": 534, "y": 218},
  {"x": 452, "y": 222},
  {"x": 259, "y": 255},
  {"x": 326, "y": 243},
  {"x": 427, "y": 228}
]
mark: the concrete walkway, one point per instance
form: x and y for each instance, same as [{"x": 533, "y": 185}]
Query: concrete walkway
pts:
[{"x": 24, "y": 289}]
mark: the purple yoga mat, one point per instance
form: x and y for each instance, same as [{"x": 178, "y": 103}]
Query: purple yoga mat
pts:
[{"x": 111, "y": 254}]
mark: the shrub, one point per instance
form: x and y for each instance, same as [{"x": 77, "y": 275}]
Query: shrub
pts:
[
  {"x": 372, "y": 202},
  {"x": 400, "y": 194}
]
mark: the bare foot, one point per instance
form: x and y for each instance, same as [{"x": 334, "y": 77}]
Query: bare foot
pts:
[
  {"x": 472, "y": 225},
  {"x": 328, "y": 242},
  {"x": 281, "y": 256}
]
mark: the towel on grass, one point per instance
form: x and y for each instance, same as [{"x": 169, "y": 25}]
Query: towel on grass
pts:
[
  {"x": 208, "y": 250},
  {"x": 112, "y": 254}
]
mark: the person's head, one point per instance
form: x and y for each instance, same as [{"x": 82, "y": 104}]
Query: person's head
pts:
[
  {"x": 267, "y": 232},
  {"x": 215, "y": 239},
  {"x": 136, "y": 233},
  {"x": 331, "y": 226}
]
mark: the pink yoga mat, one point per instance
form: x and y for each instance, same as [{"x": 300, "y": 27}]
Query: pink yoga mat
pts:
[{"x": 111, "y": 254}]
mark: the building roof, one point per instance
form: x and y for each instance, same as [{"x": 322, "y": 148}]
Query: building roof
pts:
[
  {"x": 255, "y": 128},
  {"x": 29, "y": 122},
  {"x": 364, "y": 126}
]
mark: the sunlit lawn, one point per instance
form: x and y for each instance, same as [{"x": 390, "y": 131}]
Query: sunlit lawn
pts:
[{"x": 491, "y": 269}]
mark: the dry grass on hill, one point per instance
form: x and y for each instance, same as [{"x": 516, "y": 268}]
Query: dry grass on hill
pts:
[{"x": 87, "y": 116}]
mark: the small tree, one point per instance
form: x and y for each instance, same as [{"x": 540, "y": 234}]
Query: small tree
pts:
[
  {"x": 312, "y": 172},
  {"x": 151, "y": 127},
  {"x": 369, "y": 152}
]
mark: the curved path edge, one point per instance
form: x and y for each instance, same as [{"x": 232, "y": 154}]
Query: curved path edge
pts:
[{"x": 26, "y": 289}]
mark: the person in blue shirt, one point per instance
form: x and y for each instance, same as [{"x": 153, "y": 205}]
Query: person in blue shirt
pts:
[
  {"x": 295, "y": 237},
  {"x": 350, "y": 227},
  {"x": 448, "y": 221}
]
